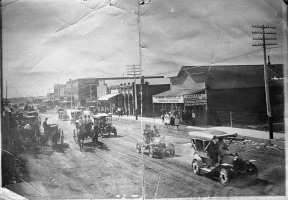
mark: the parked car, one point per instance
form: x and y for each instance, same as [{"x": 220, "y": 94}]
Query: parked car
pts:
[{"x": 213, "y": 158}]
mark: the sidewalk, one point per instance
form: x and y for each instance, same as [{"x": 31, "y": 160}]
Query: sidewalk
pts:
[{"x": 259, "y": 136}]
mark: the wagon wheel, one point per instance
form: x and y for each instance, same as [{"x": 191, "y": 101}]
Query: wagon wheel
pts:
[
  {"x": 151, "y": 152},
  {"x": 195, "y": 167},
  {"x": 75, "y": 136},
  {"x": 224, "y": 176},
  {"x": 138, "y": 147}
]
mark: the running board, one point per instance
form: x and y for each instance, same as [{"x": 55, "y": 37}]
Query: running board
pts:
[{"x": 207, "y": 170}]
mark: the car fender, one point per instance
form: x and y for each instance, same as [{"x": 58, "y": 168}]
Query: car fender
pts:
[{"x": 199, "y": 159}]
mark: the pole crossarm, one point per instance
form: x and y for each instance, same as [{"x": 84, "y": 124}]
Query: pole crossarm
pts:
[{"x": 264, "y": 44}]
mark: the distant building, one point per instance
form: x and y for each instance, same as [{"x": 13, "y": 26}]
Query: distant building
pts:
[
  {"x": 122, "y": 95},
  {"x": 59, "y": 92},
  {"x": 216, "y": 92},
  {"x": 81, "y": 90}
]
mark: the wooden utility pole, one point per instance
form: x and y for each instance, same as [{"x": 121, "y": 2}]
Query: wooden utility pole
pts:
[
  {"x": 264, "y": 43},
  {"x": 134, "y": 70}
]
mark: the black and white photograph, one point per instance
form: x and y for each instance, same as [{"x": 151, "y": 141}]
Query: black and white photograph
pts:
[{"x": 143, "y": 99}]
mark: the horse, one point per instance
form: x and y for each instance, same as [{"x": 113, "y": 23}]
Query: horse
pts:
[{"x": 81, "y": 136}]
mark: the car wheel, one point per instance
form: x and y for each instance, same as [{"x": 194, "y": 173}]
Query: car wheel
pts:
[
  {"x": 195, "y": 167},
  {"x": 252, "y": 171},
  {"x": 224, "y": 176},
  {"x": 138, "y": 147},
  {"x": 172, "y": 149},
  {"x": 151, "y": 153}
]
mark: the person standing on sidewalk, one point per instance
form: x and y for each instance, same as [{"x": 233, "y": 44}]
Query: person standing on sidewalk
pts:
[{"x": 193, "y": 117}]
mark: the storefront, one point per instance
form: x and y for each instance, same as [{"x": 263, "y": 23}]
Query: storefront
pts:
[
  {"x": 183, "y": 101},
  {"x": 107, "y": 102}
]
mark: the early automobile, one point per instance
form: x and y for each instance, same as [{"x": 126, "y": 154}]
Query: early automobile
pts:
[
  {"x": 53, "y": 133},
  {"x": 63, "y": 115},
  {"x": 42, "y": 109},
  {"x": 104, "y": 121},
  {"x": 156, "y": 146},
  {"x": 213, "y": 158},
  {"x": 74, "y": 115}
]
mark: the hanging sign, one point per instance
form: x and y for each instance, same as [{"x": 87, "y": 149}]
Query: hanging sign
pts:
[
  {"x": 195, "y": 99},
  {"x": 168, "y": 99}
]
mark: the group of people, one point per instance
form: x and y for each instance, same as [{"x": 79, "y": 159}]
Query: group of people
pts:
[
  {"x": 86, "y": 126},
  {"x": 149, "y": 134},
  {"x": 170, "y": 118},
  {"x": 120, "y": 111}
]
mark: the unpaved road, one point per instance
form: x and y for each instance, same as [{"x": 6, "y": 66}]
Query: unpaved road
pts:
[{"x": 114, "y": 169}]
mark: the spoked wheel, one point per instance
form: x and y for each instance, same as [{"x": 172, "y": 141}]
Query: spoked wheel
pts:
[
  {"x": 74, "y": 136},
  {"x": 151, "y": 152},
  {"x": 162, "y": 153},
  {"x": 224, "y": 176},
  {"x": 195, "y": 167},
  {"x": 138, "y": 147},
  {"x": 172, "y": 149}
]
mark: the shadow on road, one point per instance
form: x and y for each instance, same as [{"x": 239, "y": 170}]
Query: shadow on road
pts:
[
  {"x": 244, "y": 182},
  {"x": 60, "y": 147},
  {"x": 99, "y": 145}
]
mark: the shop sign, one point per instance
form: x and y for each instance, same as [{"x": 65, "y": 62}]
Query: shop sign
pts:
[
  {"x": 195, "y": 99},
  {"x": 165, "y": 99}
]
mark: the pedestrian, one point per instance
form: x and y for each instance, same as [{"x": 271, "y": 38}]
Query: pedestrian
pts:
[
  {"x": 127, "y": 112},
  {"x": 193, "y": 117},
  {"x": 162, "y": 117},
  {"x": 167, "y": 119},
  {"x": 119, "y": 111},
  {"x": 177, "y": 120},
  {"x": 156, "y": 132},
  {"x": 45, "y": 125},
  {"x": 95, "y": 135}
]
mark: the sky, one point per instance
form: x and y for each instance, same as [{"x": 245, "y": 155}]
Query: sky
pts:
[{"x": 51, "y": 41}]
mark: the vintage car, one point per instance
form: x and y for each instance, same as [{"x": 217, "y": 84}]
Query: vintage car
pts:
[
  {"x": 63, "y": 115},
  {"x": 42, "y": 109},
  {"x": 104, "y": 121},
  {"x": 213, "y": 159},
  {"x": 74, "y": 115},
  {"x": 156, "y": 147}
]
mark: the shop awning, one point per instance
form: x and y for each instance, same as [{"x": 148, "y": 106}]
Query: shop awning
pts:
[
  {"x": 107, "y": 97},
  {"x": 174, "y": 96}
]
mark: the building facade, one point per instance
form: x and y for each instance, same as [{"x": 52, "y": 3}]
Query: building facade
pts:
[{"x": 219, "y": 94}]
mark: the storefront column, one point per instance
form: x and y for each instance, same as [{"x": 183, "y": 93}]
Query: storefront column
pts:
[{"x": 129, "y": 109}]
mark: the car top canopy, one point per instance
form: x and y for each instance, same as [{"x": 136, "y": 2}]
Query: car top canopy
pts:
[
  {"x": 208, "y": 135},
  {"x": 102, "y": 115}
]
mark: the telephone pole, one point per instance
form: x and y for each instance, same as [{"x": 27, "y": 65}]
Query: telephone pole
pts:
[
  {"x": 265, "y": 42},
  {"x": 134, "y": 70}
]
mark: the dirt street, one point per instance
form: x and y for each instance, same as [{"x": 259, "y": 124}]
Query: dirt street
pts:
[{"x": 113, "y": 170}]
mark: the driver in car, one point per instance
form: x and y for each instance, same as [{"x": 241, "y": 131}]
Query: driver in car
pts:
[{"x": 147, "y": 134}]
